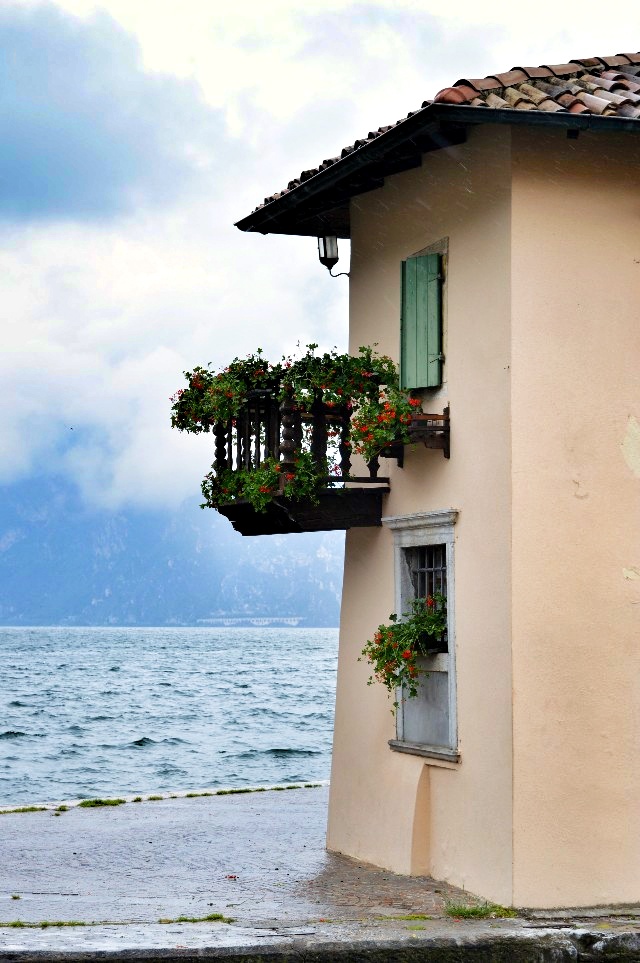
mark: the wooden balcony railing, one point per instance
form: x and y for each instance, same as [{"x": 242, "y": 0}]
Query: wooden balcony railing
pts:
[{"x": 266, "y": 428}]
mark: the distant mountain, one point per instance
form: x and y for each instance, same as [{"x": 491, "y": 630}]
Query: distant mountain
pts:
[{"x": 61, "y": 563}]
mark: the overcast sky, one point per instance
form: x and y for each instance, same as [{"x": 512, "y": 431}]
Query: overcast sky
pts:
[{"x": 134, "y": 133}]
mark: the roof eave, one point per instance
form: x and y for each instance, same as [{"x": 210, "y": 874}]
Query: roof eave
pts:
[{"x": 320, "y": 205}]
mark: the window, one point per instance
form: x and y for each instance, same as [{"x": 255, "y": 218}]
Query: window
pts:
[
  {"x": 421, "y": 321},
  {"x": 428, "y": 573},
  {"x": 424, "y": 555}
]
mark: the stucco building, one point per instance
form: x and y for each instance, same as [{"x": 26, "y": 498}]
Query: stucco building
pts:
[{"x": 501, "y": 224}]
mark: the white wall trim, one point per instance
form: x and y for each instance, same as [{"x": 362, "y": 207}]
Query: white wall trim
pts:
[{"x": 414, "y": 531}]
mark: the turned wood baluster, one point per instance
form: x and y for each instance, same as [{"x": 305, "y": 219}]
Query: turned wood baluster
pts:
[
  {"x": 374, "y": 467},
  {"x": 344, "y": 446},
  {"x": 230, "y": 430},
  {"x": 287, "y": 435},
  {"x": 274, "y": 428},
  {"x": 241, "y": 421},
  {"x": 256, "y": 430},
  {"x": 319, "y": 431},
  {"x": 297, "y": 427},
  {"x": 220, "y": 434}
]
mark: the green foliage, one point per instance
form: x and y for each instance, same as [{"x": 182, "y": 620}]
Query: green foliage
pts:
[
  {"x": 482, "y": 912},
  {"x": 23, "y": 809},
  {"x": 43, "y": 925},
  {"x": 338, "y": 378},
  {"x": 363, "y": 387},
  {"x": 210, "y": 918},
  {"x": 212, "y": 396},
  {"x": 382, "y": 421},
  {"x": 97, "y": 803},
  {"x": 261, "y": 485},
  {"x": 395, "y": 648}
]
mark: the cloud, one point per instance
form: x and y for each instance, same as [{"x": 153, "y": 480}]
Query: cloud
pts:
[
  {"x": 101, "y": 321},
  {"x": 86, "y": 132}
]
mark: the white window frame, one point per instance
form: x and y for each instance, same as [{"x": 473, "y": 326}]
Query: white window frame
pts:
[{"x": 416, "y": 531}]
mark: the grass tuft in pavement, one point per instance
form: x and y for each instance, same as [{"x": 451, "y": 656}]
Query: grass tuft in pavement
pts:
[
  {"x": 20, "y": 924},
  {"x": 210, "y": 918},
  {"x": 24, "y": 809},
  {"x": 482, "y": 912}
]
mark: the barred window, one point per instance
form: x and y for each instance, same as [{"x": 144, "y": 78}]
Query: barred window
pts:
[
  {"x": 430, "y": 570},
  {"x": 424, "y": 546}
]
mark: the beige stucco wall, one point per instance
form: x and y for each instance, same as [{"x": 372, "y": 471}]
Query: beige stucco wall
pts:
[
  {"x": 542, "y": 375},
  {"x": 576, "y": 517},
  {"x": 389, "y": 808}
]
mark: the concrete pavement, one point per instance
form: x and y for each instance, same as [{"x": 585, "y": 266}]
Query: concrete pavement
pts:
[{"x": 125, "y": 875}]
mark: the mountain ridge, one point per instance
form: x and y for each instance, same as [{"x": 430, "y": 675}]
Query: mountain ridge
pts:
[{"x": 63, "y": 563}]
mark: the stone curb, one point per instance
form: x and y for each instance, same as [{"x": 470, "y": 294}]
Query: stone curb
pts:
[{"x": 549, "y": 946}]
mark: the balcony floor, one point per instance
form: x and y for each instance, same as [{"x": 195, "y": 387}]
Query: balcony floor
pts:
[{"x": 335, "y": 509}]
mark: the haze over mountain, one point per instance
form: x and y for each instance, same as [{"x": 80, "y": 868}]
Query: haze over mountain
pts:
[{"x": 63, "y": 563}]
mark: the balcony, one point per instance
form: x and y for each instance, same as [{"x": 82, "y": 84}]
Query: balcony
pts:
[
  {"x": 285, "y": 435},
  {"x": 265, "y": 430}
]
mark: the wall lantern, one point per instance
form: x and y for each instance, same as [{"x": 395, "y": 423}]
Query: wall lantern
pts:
[
  {"x": 328, "y": 254},
  {"x": 328, "y": 251}
]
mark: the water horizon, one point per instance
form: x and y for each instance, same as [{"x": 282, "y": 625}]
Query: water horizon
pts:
[{"x": 92, "y": 711}]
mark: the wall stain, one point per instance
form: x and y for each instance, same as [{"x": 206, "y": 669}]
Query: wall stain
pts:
[
  {"x": 577, "y": 493},
  {"x": 631, "y": 573},
  {"x": 631, "y": 445}
]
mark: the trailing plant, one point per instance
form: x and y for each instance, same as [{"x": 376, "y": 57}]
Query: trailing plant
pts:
[
  {"x": 383, "y": 421},
  {"x": 217, "y": 396},
  {"x": 261, "y": 485},
  {"x": 337, "y": 379},
  {"x": 363, "y": 388},
  {"x": 394, "y": 650}
]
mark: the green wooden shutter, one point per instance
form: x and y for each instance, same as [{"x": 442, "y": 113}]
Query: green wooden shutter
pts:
[{"x": 421, "y": 322}]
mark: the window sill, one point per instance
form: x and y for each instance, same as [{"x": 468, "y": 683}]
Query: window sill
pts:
[{"x": 429, "y": 752}]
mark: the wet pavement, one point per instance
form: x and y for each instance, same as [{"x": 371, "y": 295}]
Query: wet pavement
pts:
[{"x": 129, "y": 872}]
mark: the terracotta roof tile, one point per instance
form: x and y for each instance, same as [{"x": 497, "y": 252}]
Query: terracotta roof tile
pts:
[
  {"x": 595, "y": 104},
  {"x": 535, "y": 73},
  {"x": 606, "y": 86},
  {"x": 621, "y": 80},
  {"x": 620, "y": 59},
  {"x": 497, "y": 102},
  {"x": 515, "y": 98},
  {"x": 509, "y": 78},
  {"x": 456, "y": 95},
  {"x": 562, "y": 70},
  {"x": 485, "y": 83},
  {"x": 588, "y": 62},
  {"x": 629, "y": 110}
]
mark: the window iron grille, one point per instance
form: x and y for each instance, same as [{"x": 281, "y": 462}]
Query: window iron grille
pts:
[{"x": 430, "y": 570}]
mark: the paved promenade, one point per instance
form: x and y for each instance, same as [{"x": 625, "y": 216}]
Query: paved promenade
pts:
[{"x": 130, "y": 872}]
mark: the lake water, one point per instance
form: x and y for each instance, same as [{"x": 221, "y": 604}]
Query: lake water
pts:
[{"x": 87, "y": 712}]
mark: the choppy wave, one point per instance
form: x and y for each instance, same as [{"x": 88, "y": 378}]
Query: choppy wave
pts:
[{"x": 126, "y": 711}]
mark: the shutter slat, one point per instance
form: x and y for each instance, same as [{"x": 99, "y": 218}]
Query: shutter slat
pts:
[
  {"x": 433, "y": 320},
  {"x": 409, "y": 323}
]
